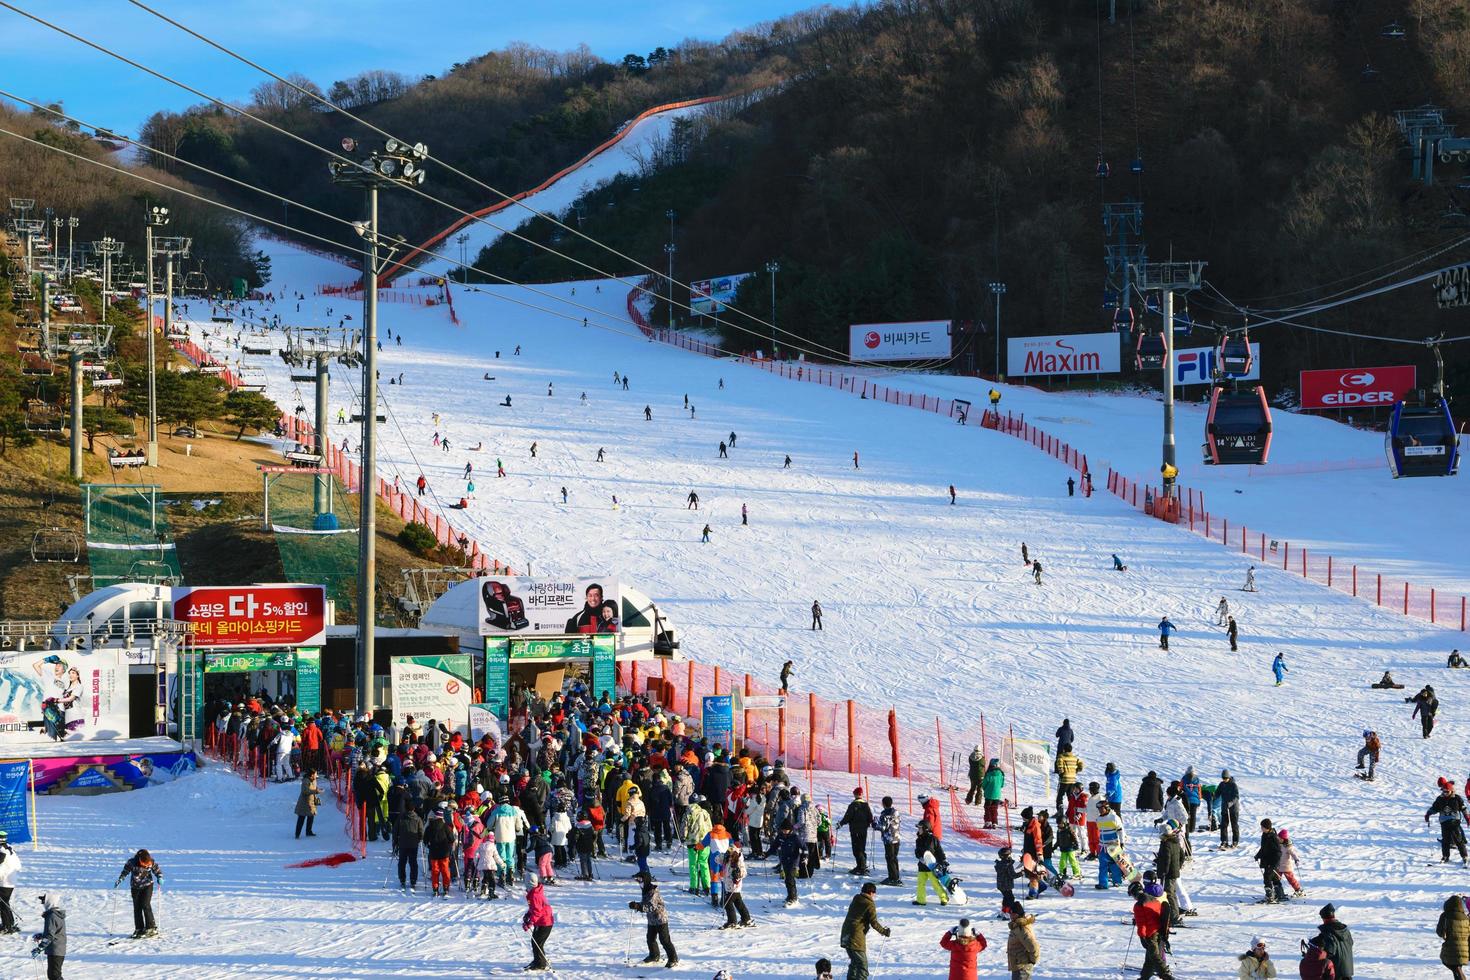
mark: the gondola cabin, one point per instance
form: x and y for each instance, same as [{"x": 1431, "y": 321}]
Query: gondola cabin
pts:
[
  {"x": 1234, "y": 357},
  {"x": 1421, "y": 440},
  {"x": 1150, "y": 353},
  {"x": 1238, "y": 429}
]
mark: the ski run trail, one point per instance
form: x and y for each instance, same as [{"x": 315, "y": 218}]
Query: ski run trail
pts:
[{"x": 928, "y": 608}]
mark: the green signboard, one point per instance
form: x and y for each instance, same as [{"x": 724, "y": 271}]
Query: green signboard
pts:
[
  {"x": 309, "y": 679},
  {"x": 240, "y": 661},
  {"x": 604, "y": 668},
  {"x": 497, "y": 676},
  {"x": 563, "y": 648}
]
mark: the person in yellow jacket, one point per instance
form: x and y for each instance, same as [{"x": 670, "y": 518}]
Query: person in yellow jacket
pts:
[
  {"x": 1067, "y": 766},
  {"x": 696, "y": 825}
]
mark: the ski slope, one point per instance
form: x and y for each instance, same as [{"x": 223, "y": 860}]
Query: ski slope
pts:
[{"x": 928, "y": 608}]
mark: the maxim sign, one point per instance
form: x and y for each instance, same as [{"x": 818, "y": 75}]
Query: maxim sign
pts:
[{"x": 1078, "y": 353}]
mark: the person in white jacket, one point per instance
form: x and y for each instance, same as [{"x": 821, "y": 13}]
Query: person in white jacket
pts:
[
  {"x": 285, "y": 741},
  {"x": 1174, "y": 809},
  {"x": 10, "y": 867}
]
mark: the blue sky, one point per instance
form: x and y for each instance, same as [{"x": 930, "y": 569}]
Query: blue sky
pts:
[{"x": 323, "y": 39}]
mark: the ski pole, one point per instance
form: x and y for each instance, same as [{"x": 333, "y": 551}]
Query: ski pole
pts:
[{"x": 1127, "y": 950}]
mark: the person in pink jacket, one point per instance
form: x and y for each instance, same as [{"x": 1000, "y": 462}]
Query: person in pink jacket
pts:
[
  {"x": 965, "y": 946},
  {"x": 538, "y": 920}
]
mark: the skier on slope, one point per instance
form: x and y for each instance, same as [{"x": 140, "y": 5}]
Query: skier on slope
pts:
[
  {"x": 1232, "y": 633},
  {"x": 1450, "y": 808},
  {"x": 786, "y": 671},
  {"x": 951, "y": 494},
  {"x": 1250, "y": 580},
  {"x": 1278, "y": 667},
  {"x": 51, "y": 940},
  {"x": 648, "y": 413},
  {"x": 1222, "y": 612},
  {"x": 976, "y": 773},
  {"x": 1370, "y": 750},
  {"x": 1165, "y": 628},
  {"x": 1036, "y": 571}
]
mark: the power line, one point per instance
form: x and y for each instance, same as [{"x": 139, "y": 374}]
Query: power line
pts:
[{"x": 1284, "y": 321}]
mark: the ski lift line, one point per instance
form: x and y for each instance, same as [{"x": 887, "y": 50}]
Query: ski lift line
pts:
[
  {"x": 1282, "y": 321},
  {"x": 768, "y": 327}
]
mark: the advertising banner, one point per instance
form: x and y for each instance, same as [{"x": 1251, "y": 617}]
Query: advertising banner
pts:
[
  {"x": 561, "y": 648},
  {"x": 1076, "y": 353},
  {"x": 922, "y": 340},
  {"x": 520, "y": 606},
  {"x": 1030, "y": 761},
  {"x": 1377, "y": 387},
  {"x": 483, "y": 722},
  {"x": 253, "y": 615},
  {"x": 1196, "y": 365},
  {"x": 77, "y": 695},
  {"x": 497, "y": 676},
  {"x": 717, "y": 719},
  {"x": 707, "y": 296},
  {"x": 432, "y": 687},
  {"x": 15, "y": 800}
]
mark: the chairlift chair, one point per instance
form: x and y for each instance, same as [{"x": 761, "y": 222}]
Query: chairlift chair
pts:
[
  {"x": 56, "y": 545},
  {"x": 1234, "y": 358},
  {"x": 152, "y": 573},
  {"x": 1368, "y": 73},
  {"x": 1136, "y": 166},
  {"x": 1238, "y": 427},
  {"x": 1103, "y": 171},
  {"x": 1393, "y": 31}
]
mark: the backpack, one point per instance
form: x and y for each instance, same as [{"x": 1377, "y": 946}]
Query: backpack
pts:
[{"x": 1315, "y": 965}]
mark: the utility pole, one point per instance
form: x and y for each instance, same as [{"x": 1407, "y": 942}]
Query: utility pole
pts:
[
  {"x": 154, "y": 217},
  {"x": 773, "y": 268},
  {"x": 71, "y": 233},
  {"x": 999, "y": 289},
  {"x": 669, "y": 250},
  {"x": 1168, "y": 278},
  {"x": 397, "y": 164},
  {"x": 169, "y": 248},
  {"x": 463, "y": 238}
]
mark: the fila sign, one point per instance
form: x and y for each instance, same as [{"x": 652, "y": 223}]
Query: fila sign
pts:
[
  {"x": 1377, "y": 387},
  {"x": 1077, "y": 353},
  {"x": 1196, "y": 365},
  {"x": 924, "y": 340}
]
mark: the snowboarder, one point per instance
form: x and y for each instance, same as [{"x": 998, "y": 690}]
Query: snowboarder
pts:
[
  {"x": 537, "y": 920},
  {"x": 506, "y": 403},
  {"x": 858, "y": 818},
  {"x": 1450, "y": 808},
  {"x": 563, "y": 494},
  {"x": 1371, "y": 747},
  {"x": 723, "y": 453},
  {"x": 652, "y": 905},
  {"x": 930, "y": 856},
  {"x": 1386, "y": 683},
  {"x": 862, "y": 915},
  {"x": 10, "y": 866},
  {"x": 1268, "y": 856},
  {"x": 1457, "y": 661},
  {"x": 533, "y": 452},
  {"x": 951, "y": 494},
  {"x": 816, "y": 616},
  {"x": 1232, "y": 633},
  {"x": 1165, "y": 628},
  {"x": 1036, "y": 571},
  {"x": 1278, "y": 665},
  {"x": 51, "y": 940},
  {"x": 744, "y": 516},
  {"x": 693, "y": 500},
  {"x": 704, "y": 535},
  {"x": 143, "y": 873},
  {"x": 786, "y": 671},
  {"x": 600, "y": 454},
  {"x": 1222, "y": 612},
  {"x": 1250, "y": 580},
  {"x": 1118, "y": 565},
  {"x": 732, "y": 439},
  {"x": 855, "y": 461},
  {"x": 648, "y": 413},
  {"x": 964, "y": 945},
  {"x": 786, "y": 465},
  {"x": 1071, "y": 487},
  {"x": 1426, "y": 706}
]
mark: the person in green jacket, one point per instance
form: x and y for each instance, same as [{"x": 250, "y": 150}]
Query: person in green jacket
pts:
[
  {"x": 993, "y": 783},
  {"x": 1454, "y": 929},
  {"x": 862, "y": 915}
]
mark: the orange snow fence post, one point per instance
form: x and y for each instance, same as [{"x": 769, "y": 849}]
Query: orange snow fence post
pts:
[
  {"x": 893, "y": 741},
  {"x": 851, "y": 736},
  {"x": 811, "y": 729}
]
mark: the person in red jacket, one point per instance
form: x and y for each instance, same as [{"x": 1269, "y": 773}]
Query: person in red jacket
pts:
[
  {"x": 931, "y": 814},
  {"x": 1315, "y": 965},
  {"x": 313, "y": 755},
  {"x": 965, "y": 946},
  {"x": 1150, "y": 922},
  {"x": 538, "y": 921}
]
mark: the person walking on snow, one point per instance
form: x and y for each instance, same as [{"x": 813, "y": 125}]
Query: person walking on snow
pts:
[
  {"x": 1336, "y": 941},
  {"x": 648, "y": 413},
  {"x": 862, "y": 915},
  {"x": 10, "y": 866},
  {"x": 1454, "y": 928},
  {"x": 786, "y": 668},
  {"x": 51, "y": 940},
  {"x": 1268, "y": 856},
  {"x": 1165, "y": 628},
  {"x": 1222, "y": 612},
  {"x": 563, "y": 494},
  {"x": 1227, "y": 795},
  {"x": 858, "y": 819},
  {"x": 1232, "y": 633},
  {"x": 1036, "y": 571},
  {"x": 732, "y": 439},
  {"x": 977, "y": 775},
  {"x": 1450, "y": 808},
  {"x": 705, "y": 534},
  {"x": 533, "y": 450},
  {"x": 1371, "y": 747},
  {"x": 890, "y": 829},
  {"x": 1278, "y": 666},
  {"x": 786, "y": 465},
  {"x": 951, "y": 494},
  {"x": 816, "y": 615},
  {"x": 723, "y": 453},
  {"x": 1426, "y": 706},
  {"x": 1022, "y": 951},
  {"x": 1071, "y": 487},
  {"x": 600, "y": 454},
  {"x": 538, "y": 921},
  {"x": 855, "y": 461},
  {"x": 1151, "y": 924},
  {"x": 693, "y": 500},
  {"x": 744, "y": 516},
  {"x": 1250, "y": 580}
]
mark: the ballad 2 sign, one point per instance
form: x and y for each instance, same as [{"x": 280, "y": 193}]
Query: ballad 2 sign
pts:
[{"x": 1377, "y": 387}]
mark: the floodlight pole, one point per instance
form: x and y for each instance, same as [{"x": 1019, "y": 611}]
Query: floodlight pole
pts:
[
  {"x": 998, "y": 288},
  {"x": 773, "y": 268},
  {"x": 367, "y": 596},
  {"x": 323, "y": 482}
]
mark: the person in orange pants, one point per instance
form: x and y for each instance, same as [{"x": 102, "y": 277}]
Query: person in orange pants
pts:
[
  {"x": 1094, "y": 797},
  {"x": 439, "y": 840}
]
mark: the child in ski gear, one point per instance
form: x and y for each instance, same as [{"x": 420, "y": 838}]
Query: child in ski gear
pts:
[
  {"x": 1286, "y": 864},
  {"x": 992, "y": 784},
  {"x": 1005, "y": 879},
  {"x": 1451, "y": 810},
  {"x": 651, "y": 904},
  {"x": 1022, "y": 951},
  {"x": 1268, "y": 856},
  {"x": 733, "y": 875},
  {"x": 964, "y": 945},
  {"x": 890, "y": 830},
  {"x": 1371, "y": 747},
  {"x": 786, "y": 671},
  {"x": 1222, "y": 612},
  {"x": 1278, "y": 668},
  {"x": 142, "y": 873},
  {"x": 1165, "y": 628},
  {"x": 1255, "y": 963},
  {"x": 51, "y": 940},
  {"x": 538, "y": 921},
  {"x": 1067, "y": 846}
]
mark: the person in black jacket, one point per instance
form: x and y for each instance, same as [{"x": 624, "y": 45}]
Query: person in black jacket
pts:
[
  {"x": 1227, "y": 795},
  {"x": 858, "y": 819},
  {"x": 1065, "y": 737},
  {"x": 1168, "y": 863},
  {"x": 407, "y": 836},
  {"x": 788, "y": 854},
  {"x": 1150, "y": 793},
  {"x": 144, "y": 873},
  {"x": 1451, "y": 811},
  {"x": 439, "y": 841},
  {"x": 1336, "y": 941},
  {"x": 716, "y": 786},
  {"x": 1267, "y": 857}
]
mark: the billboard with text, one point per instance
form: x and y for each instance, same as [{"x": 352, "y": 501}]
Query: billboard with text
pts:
[
  {"x": 707, "y": 296},
  {"x": 253, "y": 615},
  {"x": 63, "y": 695},
  {"x": 1076, "y": 353},
  {"x": 559, "y": 606},
  {"x": 1377, "y": 387},
  {"x": 920, "y": 340},
  {"x": 1196, "y": 365}
]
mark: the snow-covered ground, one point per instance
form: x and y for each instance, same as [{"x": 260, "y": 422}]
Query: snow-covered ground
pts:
[{"x": 928, "y": 608}]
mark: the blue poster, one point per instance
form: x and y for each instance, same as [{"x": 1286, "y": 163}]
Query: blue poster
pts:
[
  {"x": 15, "y": 800},
  {"x": 718, "y": 720}
]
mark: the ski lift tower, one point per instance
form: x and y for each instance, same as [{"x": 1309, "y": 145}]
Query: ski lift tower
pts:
[
  {"x": 77, "y": 341},
  {"x": 1124, "y": 251},
  {"x": 109, "y": 248},
  {"x": 1168, "y": 278},
  {"x": 170, "y": 248},
  {"x": 311, "y": 349}
]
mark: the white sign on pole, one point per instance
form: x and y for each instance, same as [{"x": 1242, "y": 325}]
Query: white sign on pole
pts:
[
  {"x": 1196, "y": 365},
  {"x": 923, "y": 340},
  {"x": 1029, "y": 760},
  {"x": 426, "y": 688},
  {"x": 1078, "y": 353}
]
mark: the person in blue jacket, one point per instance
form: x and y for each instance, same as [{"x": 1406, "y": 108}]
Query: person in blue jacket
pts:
[
  {"x": 1113, "y": 786},
  {"x": 1189, "y": 785},
  {"x": 1278, "y": 667},
  {"x": 1165, "y": 628}
]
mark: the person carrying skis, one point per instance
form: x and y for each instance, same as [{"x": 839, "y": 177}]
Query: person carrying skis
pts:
[
  {"x": 977, "y": 775},
  {"x": 964, "y": 946},
  {"x": 51, "y": 940},
  {"x": 862, "y": 915},
  {"x": 858, "y": 818},
  {"x": 890, "y": 829},
  {"x": 1450, "y": 808},
  {"x": 538, "y": 921},
  {"x": 1371, "y": 747},
  {"x": 651, "y": 904},
  {"x": 816, "y": 615},
  {"x": 992, "y": 785},
  {"x": 143, "y": 873},
  {"x": 10, "y": 866},
  {"x": 1222, "y": 612},
  {"x": 1426, "y": 706},
  {"x": 1165, "y": 628}
]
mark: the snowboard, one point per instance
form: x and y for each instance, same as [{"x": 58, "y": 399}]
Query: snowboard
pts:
[
  {"x": 1125, "y": 866},
  {"x": 1363, "y": 776},
  {"x": 1028, "y": 863}
]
